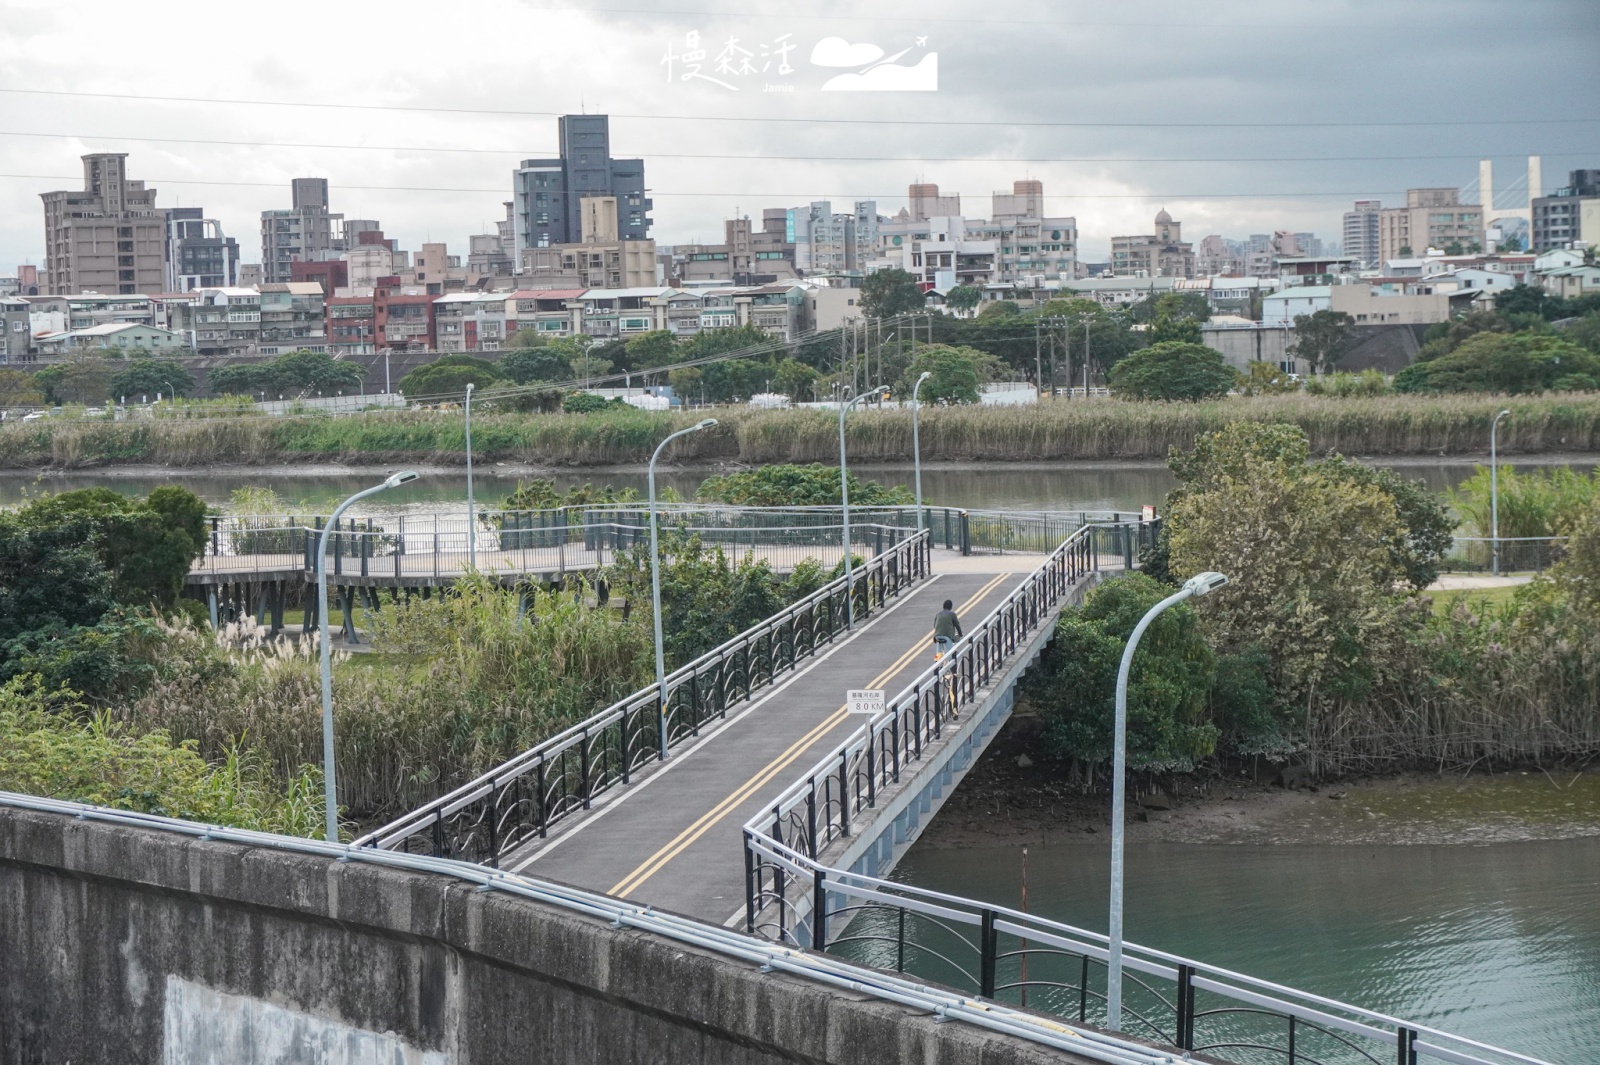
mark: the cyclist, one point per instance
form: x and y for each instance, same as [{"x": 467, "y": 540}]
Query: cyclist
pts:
[{"x": 946, "y": 630}]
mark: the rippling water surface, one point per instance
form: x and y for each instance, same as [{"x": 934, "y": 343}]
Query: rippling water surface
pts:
[{"x": 1499, "y": 942}]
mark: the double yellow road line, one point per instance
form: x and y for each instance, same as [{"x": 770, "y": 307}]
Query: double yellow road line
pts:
[{"x": 683, "y": 840}]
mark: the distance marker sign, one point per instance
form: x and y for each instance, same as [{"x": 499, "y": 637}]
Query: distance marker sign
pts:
[{"x": 864, "y": 701}]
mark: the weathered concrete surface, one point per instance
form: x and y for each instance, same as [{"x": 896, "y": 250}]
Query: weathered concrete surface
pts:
[{"x": 108, "y": 933}]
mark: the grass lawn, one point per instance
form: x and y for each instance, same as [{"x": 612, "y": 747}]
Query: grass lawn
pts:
[{"x": 1444, "y": 600}]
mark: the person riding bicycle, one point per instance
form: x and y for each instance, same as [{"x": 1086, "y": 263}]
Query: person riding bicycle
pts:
[{"x": 946, "y": 630}]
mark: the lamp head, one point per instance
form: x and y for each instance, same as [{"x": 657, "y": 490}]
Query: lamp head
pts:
[
  {"x": 400, "y": 478},
  {"x": 1204, "y": 583},
  {"x": 925, "y": 375},
  {"x": 706, "y": 423},
  {"x": 469, "y": 387},
  {"x": 1502, "y": 414}
]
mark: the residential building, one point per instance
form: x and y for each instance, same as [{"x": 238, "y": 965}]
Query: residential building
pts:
[
  {"x": 306, "y": 231},
  {"x": 1431, "y": 218},
  {"x": 550, "y": 313},
  {"x": 91, "y": 309},
  {"x": 250, "y": 275},
  {"x": 16, "y": 329},
  {"x": 1310, "y": 244},
  {"x": 602, "y": 260},
  {"x": 548, "y": 194},
  {"x": 198, "y": 255},
  {"x": 351, "y": 322},
  {"x": 1367, "y": 304},
  {"x": 1159, "y": 254},
  {"x": 926, "y": 203},
  {"x": 612, "y": 313},
  {"x": 1219, "y": 257},
  {"x": 1119, "y": 291},
  {"x": 939, "y": 254},
  {"x": 1570, "y": 214},
  {"x": 127, "y": 336},
  {"x": 110, "y": 237},
  {"x": 292, "y": 318},
  {"x": 330, "y": 274},
  {"x": 469, "y": 321},
  {"x": 220, "y": 321},
  {"x": 402, "y": 318},
  {"x": 1361, "y": 230}
]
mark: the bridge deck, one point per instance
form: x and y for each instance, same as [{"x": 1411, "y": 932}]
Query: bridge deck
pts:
[{"x": 673, "y": 839}]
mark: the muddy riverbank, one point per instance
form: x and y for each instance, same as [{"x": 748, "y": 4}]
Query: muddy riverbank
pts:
[{"x": 1015, "y": 796}]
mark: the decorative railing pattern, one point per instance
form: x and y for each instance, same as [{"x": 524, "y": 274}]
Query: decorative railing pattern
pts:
[
  {"x": 520, "y": 800},
  {"x": 1009, "y": 956}
]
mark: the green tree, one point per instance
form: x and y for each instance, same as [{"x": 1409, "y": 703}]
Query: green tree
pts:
[
  {"x": 1322, "y": 338},
  {"x": 19, "y": 389},
  {"x": 1172, "y": 371},
  {"x": 963, "y": 298},
  {"x": 999, "y": 309},
  {"x": 958, "y": 374},
  {"x": 313, "y": 371},
  {"x": 887, "y": 293},
  {"x": 733, "y": 338},
  {"x": 147, "y": 377},
  {"x": 587, "y": 367},
  {"x": 656, "y": 348},
  {"x": 1508, "y": 363},
  {"x": 82, "y": 377},
  {"x": 147, "y": 545},
  {"x": 814, "y": 485},
  {"x": 450, "y": 376},
  {"x": 1319, "y": 560},
  {"x": 526, "y": 339},
  {"x": 1074, "y": 685},
  {"x": 1266, "y": 379},
  {"x": 1177, "y": 316},
  {"x": 545, "y": 363},
  {"x": 243, "y": 379},
  {"x": 587, "y": 403},
  {"x": 794, "y": 379}
]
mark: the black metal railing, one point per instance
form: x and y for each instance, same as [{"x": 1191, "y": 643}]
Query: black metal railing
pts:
[
  {"x": 1008, "y": 956},
  {"x": 520, "y": 800}
]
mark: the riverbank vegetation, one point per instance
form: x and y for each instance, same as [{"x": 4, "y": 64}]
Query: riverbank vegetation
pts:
[
  {"x": 1323, "y": 648},
  {"x": 1056, "y": 429}
]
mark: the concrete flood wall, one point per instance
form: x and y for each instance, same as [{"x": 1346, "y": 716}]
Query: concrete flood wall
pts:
[
  {"x": 882, "y": 834},
  {"x": 132, "y": 945}
]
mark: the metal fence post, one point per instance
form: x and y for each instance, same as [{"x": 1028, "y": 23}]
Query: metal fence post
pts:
[
  {"x": 1185, "y": 1005},
  {"x": 966, "y": 535},
  {"x": 989, "y": 950},
  {"x": 819, "y": 911}
]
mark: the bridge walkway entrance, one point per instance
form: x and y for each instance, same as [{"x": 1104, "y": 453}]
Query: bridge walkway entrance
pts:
[{"x": 673, "y": 840}]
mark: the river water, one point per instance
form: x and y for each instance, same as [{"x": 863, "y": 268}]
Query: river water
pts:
[
  {"x": 1499, "y": 943},
  {"x": 1060, "y": 486}
]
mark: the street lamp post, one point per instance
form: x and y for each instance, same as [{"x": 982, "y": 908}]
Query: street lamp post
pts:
[
  {"x": 472, "y": 517},
  {"x": 328, "y": 790},
  {"x": 1494, "y": 495},
  {"x": 1199, "y": 584},
  {"x": 844, "y": 499},
  {"x": 386, "y": 388},
  {"x": 916, "y": 445},
  {"x": 655, "y": 588}
]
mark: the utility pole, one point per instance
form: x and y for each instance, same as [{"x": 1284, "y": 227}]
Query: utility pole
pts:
[{"x": 1038, "y": 374}]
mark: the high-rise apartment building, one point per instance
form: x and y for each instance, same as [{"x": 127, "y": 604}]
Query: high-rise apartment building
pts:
[
  {"x": 1361, "y": 232},
  {"x": 109, "y": 237},
  {"x": 926, "y": 203},
  {"x": 308, "y": 231},
  {"x": 1431, "y": 218},
  {"x": 198, "y": 254},
  {"x": 1558, "y": 219},
  {"x": 549, "y": 193}
]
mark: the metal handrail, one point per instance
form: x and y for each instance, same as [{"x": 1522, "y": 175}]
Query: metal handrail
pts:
[
  {"x": 783, "y": 872},
  {"x": 503, "y": 809},
  {"x": 760, "y": 954}
]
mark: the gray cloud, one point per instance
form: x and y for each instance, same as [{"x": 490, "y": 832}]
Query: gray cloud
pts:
[{"x": 1157, "y": 75}]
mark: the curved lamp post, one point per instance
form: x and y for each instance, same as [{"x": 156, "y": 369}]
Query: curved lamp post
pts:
[
  {"x": 1494, "y": 495},
  {"x": 655, "y": 588},
  {"x": 1199, "y": 584},
  {"x": 844, "y": 499},
  {"x": 328, "y": 790},
  {"x": 916, "y": 444},
  {"x": 472, "y": 517}
]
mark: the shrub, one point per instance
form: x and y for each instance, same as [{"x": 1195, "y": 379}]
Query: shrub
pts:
[
  {"x": 1172, "y": 370},
  {"x": 1508, "y": 363},
  {"x": 586, "y": 403},
  {"x": 795, "y": 486},
  {"x": 1349, "y": 385}
]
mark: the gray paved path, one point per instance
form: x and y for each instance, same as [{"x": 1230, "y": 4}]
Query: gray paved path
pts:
[{"x": 673, "y": 840}]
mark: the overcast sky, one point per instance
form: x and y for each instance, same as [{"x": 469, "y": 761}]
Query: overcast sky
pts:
[{"x": 1237, "y": 116}]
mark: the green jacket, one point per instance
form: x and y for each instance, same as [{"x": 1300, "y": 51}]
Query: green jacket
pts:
[{"x": 946, "y": 624}]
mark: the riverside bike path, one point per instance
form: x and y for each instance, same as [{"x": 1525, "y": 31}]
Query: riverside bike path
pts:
[{"x": 673, "y": 841}]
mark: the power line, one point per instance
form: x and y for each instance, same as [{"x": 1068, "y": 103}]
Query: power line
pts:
[
  {"x": 803, "y": 196},
  {"x": 766, "y": 157},
  {"x": 770, "y": 119}
]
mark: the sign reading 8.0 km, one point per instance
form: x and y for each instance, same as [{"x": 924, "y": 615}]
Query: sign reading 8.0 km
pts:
[{"x": 864, "y": 701}]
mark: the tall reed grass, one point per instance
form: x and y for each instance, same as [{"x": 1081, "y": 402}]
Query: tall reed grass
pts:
[{"x": 1054, "y": 430}]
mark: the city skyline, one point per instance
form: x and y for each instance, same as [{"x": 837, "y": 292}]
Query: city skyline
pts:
[{"x": 1139, "y": 97}]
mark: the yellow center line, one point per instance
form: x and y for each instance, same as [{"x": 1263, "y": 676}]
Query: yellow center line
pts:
[{"x": 713, "y": 816}]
